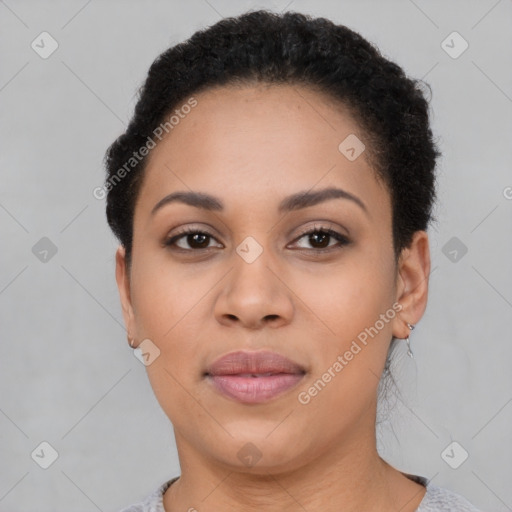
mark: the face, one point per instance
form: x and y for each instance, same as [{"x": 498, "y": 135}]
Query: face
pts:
[{"x": 314, "y": 281}]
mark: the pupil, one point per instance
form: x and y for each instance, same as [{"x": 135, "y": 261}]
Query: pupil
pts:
[
  {"x": 324, "y": 236},
  {"x": 203, "y": 238},
  {"x": 192, "y": 237}
]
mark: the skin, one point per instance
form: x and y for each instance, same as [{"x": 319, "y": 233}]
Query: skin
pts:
[{"x": 251, "y": 147}]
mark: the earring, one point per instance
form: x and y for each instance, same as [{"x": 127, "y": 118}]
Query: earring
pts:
[{"x": 409, "y": 351}]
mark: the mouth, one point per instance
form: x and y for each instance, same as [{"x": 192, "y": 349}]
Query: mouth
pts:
[
  {"x": 254, "y": 377},
  {"x": 255, "y": 374}
]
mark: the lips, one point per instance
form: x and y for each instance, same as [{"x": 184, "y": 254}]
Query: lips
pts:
[
  {"x": 254, "y": 363},
  {"x": 254, "y": 377}
]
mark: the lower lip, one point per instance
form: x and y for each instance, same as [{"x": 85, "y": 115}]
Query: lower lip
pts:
[{"x": 254, "y": 390}]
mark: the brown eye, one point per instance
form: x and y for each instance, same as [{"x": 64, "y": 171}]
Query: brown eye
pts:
[
  {"x": 320, "y": 239},
  {"x": 196, "y": 240}
]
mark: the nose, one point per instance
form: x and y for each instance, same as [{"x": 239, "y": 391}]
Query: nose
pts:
[{"x": 254, "y": 295}]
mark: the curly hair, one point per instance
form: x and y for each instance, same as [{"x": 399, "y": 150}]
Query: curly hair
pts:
[{"x": 294, "y": 49}]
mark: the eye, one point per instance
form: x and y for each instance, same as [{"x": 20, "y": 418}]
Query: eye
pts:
[
  {"x": 195, "y": 238},
  {"x": 320, "y": 237}
]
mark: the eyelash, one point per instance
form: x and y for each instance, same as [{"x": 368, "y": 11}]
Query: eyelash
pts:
[{"x": 342, "y": 240}]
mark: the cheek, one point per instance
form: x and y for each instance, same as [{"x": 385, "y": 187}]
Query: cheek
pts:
[
  {"x": 167, "y": 314},
  {"x": 349, "y": 315},
  {"x": 168, "y": 317},
  {"x": 160, "y": 297},
  {"x": 345, "y": 299},
  {"x": 167, "y": 303}
]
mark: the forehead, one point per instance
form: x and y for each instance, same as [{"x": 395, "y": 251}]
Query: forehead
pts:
[{"x": 253, "y": 143}]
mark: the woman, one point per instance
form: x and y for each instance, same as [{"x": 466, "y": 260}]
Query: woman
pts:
[{"x": 271, "y": 196}]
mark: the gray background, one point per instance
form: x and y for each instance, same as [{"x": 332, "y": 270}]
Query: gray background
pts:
[{"x": 67, "y": 374}]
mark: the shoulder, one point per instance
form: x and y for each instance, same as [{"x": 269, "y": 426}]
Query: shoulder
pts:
[
  {"x": 439, "y": 499},
  {"x": 153, "y": 502}
]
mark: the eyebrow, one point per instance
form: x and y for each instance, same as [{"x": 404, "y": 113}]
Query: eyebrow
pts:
[{"x": 296, "y": 201}]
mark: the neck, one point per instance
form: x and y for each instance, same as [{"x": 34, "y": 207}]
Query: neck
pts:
[{"x": 349, "y": 477}]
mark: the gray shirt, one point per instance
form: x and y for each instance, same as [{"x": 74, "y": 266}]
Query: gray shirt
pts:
[{"x": 436, "y": 499}]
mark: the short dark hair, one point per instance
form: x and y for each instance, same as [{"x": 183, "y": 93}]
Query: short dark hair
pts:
[{"x": 291, "y": 48}]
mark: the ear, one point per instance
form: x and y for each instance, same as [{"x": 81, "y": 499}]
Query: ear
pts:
[
  {"x": 412, "y": 283},
  {"x": 123, "y": 285}
]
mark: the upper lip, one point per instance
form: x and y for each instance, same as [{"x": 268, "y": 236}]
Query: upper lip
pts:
[{"x": 254, "y": 363}]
